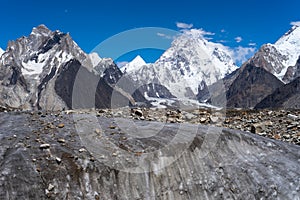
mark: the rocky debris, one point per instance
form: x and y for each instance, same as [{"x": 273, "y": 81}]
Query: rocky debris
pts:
[
  {"x": 239, "y": 165},
  {"x": 268, "y": 123},
  {"x": 61, "y": 125},
  {"x": 44, "y": 146},
  {"x": 214, "y": 119},
  {"x": 258, "y": 128},
  {"x": 50, "y": 187},
  {"x": 61, "y": 140},
  {"x": 293, "y": 117}
]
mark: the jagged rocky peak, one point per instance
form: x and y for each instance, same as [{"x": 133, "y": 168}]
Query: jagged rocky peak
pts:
[
  {"x": 269, "y": 58},
  {"x": 32, "y": 67},
  {"x": 41, "y": 30},
  {"x": 279, "y": 58}
]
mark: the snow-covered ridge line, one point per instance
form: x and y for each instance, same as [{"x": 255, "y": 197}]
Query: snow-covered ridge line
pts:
[
  {"x": 1, "y": 52},
  {"x": 289, "y": 46}
]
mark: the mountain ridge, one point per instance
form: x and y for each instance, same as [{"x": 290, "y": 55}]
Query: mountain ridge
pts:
[
  {"x": 31, "y": 67},
  {"x": 273, "y": 60}
]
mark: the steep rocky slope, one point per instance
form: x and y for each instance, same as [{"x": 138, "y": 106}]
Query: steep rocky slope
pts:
[
  {"x": 287, "y": 96},
  {"x": 251, "y": 86}
]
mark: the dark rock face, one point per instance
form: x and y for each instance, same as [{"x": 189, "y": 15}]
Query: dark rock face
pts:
[
  {"x": 251, "y": 86},
  {"x": 292, "y": 72},
  {"x": 203, "y": 92},
  {"x": 297, "y": 69},
  {"x": 42, "y": 159},
  {"x": 287, "y": 96},
  {"x": 289, "y": 75},
  {"x": 107, "y": 69},
  {"x": 88, "y": 90},
  {"x": 215, "y": 94}
]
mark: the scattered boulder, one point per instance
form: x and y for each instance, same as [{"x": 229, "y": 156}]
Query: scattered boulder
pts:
[
  {"x": 44, "y": 146},
  {"x": 61, "y": 125}
]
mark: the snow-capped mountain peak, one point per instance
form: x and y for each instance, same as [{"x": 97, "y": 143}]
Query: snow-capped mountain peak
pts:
[
  {"x": 280, "y": 57},
  {"x": 138, "y": 60},
  {"x": 136, "y": 63},
  {"x": 190, "y": 60},
  {"x": 38, "y": 71},
  {"x": 35, "y": 62},
  {"x": 289, "y": 45}
]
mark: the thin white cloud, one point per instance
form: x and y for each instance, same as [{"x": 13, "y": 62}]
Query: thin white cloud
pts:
[
  {"x": 223, "y": 30},
  {"x": 222, "y": 41},
  {"x": 252, "y": 44},
  {"x": 242, "y": 54},
  {"x": 295, "y": 23},
  {"x": 169, "y": 37},
  {"x": 238, "y": 39},
  {"x": 198, "y": 33},
  {"x": 184, "y": 25},
  {"x": 161, "y": 34}
]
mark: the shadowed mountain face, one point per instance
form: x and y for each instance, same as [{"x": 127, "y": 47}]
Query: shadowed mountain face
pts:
[
  {"x": 251, "y": 86},
  {"x": 293, "y": 72},
  {"x": 79, "y": 88},
  {"x": 287, "y": 96},
  {"x": 59, "y": 165}
]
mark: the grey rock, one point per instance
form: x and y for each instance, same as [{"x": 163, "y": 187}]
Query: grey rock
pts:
[
  {"x": 214, "y": 119},
  {"x": 220, "y": 163},
  {"x": 44, "y": 146},
  {"x": 293, "y": 117}
]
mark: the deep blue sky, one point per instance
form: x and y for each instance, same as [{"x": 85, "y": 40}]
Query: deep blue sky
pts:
[{"x": 91, "y": 22}]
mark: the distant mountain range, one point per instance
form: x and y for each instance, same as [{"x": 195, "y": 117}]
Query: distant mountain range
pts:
[
  {"x": 40, "y": 72},
  {"x": 196, "y": 68}
]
